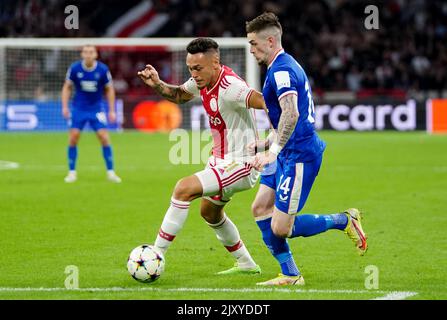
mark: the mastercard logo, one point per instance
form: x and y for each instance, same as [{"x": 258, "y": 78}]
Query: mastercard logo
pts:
[{"x": 156, "y": 116}]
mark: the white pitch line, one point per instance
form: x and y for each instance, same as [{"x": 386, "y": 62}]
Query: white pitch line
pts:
[
  {"x": 397, "y": 295},
  {"x": 8, "y": 165},
  {"x": 390, "y": 295}
]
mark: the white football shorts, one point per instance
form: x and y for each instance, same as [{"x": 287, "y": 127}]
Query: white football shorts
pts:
[{"x": 222, "y": 178}]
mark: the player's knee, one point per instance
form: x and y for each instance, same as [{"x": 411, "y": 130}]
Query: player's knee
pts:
[
  {"x": 104, "y": 139},
  {"x": 280, "y": 231},
  {"x": 74, "y": 138},
  {"x": 182, "y": 191},
  {"x": 259, "y": 209}
]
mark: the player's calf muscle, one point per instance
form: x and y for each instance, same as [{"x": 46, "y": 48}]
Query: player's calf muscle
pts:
[{"x": 211, "y": 213}]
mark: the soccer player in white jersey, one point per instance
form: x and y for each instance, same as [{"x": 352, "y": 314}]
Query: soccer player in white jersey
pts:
[
  {"x": 295, "y": 154},
  {"x": 226, "y": 99}
]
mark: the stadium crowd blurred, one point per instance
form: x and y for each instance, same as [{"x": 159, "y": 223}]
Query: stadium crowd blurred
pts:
[{"x": 328, "y": 37}]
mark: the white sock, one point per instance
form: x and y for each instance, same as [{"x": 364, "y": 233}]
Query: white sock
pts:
[
  {"x": 228, "y": 235},
  {"x": 172, "y": 223}
]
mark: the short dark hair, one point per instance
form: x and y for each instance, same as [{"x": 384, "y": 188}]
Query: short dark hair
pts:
[
  {"x": 202, "y": 45},
  {"x": 89, "y": 45},
  {"x": 263, "y": 21}
]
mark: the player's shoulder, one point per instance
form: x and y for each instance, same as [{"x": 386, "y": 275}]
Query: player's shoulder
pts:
[
  {"x": 76, "y": 65},
  {"x": 286, "y": 65},
  {"x": 286, "y": 62},
  {"x": 231, "y": 79},
  {"x": 232, "y": 88},
  {"x": 102, "y": 66}
]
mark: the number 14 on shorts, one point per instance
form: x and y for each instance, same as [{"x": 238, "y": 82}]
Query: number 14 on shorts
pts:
[{"x": 283, "y": 188}]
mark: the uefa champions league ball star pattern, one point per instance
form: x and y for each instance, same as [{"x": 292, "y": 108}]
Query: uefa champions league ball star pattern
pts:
[{"x": 145, "y": 264}]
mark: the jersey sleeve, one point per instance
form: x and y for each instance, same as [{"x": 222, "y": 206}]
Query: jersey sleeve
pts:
[
  {"x": 239, "y": 93},
  {"x": 107, "y": 77},
  {"x": 108, "y": 80},
  {"x": 285, "y": 82},
  {"x": 190, "y": 86},
  {"x": 70, "y": 76}
]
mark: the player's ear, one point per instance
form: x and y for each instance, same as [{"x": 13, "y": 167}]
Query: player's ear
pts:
[
  {"x": 271, "y": 41},
  {"x": 216, "y": 61}
]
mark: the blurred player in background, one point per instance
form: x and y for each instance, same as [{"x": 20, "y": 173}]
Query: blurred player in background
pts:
[
  {"x": 90, "y": 78},
  {"x": 296, "y": 151},
  {"x": 226, "y": 99}
]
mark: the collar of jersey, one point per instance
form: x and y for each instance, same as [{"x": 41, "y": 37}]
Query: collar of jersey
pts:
[
  {"x": 281, "y": 51},
  {"x": 84, "y": 67},
  {"x": 217, "y": 81}
]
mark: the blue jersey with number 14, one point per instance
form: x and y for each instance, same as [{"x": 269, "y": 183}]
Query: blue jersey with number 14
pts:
[
  {"x": 89, "y": 85},
  {"x": 285, "y": 76}
]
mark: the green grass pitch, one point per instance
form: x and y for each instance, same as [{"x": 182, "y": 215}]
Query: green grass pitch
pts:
[{"x": 399, "y": 180}]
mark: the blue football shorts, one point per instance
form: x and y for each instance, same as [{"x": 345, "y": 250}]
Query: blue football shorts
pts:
[
  {"x": 96, "y": 120},
  {"x": 292, "y": 182}
]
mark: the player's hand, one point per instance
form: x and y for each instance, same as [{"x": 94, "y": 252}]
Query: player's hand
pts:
[
  {"x": 149, "y": 76},
  {"x": 262, "y": 159},
  {"x": 112, "y": 116},
  {"x": 256, "y": 147},
  {"x": 66, "y": 113}
]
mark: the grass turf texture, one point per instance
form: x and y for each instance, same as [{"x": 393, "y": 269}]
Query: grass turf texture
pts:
[{"x": 398, "y": 179}]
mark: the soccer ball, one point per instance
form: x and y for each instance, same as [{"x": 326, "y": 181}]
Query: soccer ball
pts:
[{"x": 145, "y": 264}]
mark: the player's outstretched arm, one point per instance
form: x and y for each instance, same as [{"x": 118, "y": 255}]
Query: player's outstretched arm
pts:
[
  {"x": 65, "y": 97},
  {"x": 170, "y": 92}
]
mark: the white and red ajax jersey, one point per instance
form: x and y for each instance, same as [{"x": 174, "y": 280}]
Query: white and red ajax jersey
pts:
[{"x": 231, "y": 122}]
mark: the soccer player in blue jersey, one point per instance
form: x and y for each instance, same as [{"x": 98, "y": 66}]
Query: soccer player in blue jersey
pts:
[
  {"x": 293, "y": 157},
  {"x": 90, "y": 78}
]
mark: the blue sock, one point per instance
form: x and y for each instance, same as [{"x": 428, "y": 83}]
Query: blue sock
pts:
[
  {"x": 108, "y": 157},
  {"x": 72, "y": 156},
  {"x": 307, "y": 225},
  {"x": 278, "y": 247}
]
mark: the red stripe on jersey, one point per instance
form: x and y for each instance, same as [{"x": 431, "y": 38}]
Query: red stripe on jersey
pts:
[
  {"x": 217, "y": 81},
  {"x": 237, "y": 246},
  {"x": 220, "y": 143},
  {"x": 225, "y": 82},
  {"x": 165, "y": 235}
]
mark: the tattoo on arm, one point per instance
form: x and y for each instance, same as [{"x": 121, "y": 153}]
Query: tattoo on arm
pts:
[
  {"x": 172, "y": 93},
  {"x": 288, "y": 119}
]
